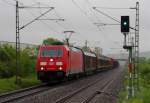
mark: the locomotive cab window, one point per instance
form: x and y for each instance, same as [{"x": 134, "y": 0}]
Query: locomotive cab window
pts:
[{"x": 52, "y": 53}]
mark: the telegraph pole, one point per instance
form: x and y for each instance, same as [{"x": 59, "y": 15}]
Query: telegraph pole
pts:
[
  {"x": 17, "y": 44},
  {"x": 136, "y": 48},
  {"x": 18, "y": 28},
  {"x": 137, "y": 45},
  {"x": 130, "y": 67}
]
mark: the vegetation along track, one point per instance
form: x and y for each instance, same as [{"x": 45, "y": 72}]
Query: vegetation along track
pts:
[{"x": 18, "y": 94}]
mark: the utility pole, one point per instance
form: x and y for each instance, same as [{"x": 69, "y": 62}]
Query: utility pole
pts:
[
  {"x": 17, "y": 44},
  {"x": 137, "y": 46},
  {"x": 86, "y": 43},
  {"x": 130, "y": 66},
  {"x": 18, "y": 28}
]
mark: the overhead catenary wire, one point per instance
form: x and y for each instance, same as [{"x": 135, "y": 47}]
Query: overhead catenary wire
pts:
[
  {"x": 9, "y": 3},
  {"x": 86, "y": 14},
  {"x": 36, "y": 18},
  {"x": 90, "y": 8},
  {"x": 101, "y": 23},
  {"x": 95, "y": 8},
  {"x": 98, "y": 26},
  {"x": 82, "y": 11},
  {"x": 111, "y": 8},
  {"x": 45, "y": 24},
  {"x": 96, "y": 17},
  {"x": 67, "y": 23},
  {"x": 59, "y": 18},
  {"x": 46, "y": 18},
  {"x": 59, "y": 24}
]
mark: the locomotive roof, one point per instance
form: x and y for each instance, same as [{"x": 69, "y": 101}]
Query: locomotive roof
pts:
[
  {"x": 89, "y": 54},
  {"x": 104, "y": 57}
]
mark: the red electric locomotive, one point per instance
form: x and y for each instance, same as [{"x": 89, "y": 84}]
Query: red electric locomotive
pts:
[
  {"x": 56, "y": 62},
  {"x": 60, "y": 61}
]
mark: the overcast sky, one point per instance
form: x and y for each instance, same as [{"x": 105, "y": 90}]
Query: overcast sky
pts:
[{"x": 79, "y": 17}]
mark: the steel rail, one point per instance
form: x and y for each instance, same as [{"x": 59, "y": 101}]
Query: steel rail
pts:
[
  {"x": 104, "y": 85},
  {"x": 65, "y": 98},
  {"x": 101, "y": 91},
  {"x": 15, "y": 95}
]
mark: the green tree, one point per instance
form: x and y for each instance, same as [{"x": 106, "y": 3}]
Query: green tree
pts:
[
  {"x": 87, "y": 49},
  {"x": 8, "y": 62}
]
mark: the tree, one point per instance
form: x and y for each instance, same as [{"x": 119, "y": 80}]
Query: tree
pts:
[
  {"x": 52, "y": 41},
  {"x": 86, "y": 49}
]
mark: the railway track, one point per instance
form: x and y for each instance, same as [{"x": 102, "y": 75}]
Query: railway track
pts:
[
  {"x": 23, "y": 93},
  {"x": 18, "y": 94},
  {"x": 63, "y": 99},
  {"x": 30, "y": 93},
  {"x": 103, "y": 90}
]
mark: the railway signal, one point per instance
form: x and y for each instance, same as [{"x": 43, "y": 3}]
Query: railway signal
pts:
[{"x": 125, "y": 26}]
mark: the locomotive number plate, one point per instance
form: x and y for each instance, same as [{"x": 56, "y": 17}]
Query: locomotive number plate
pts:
[{"x": 51, "y": 63}]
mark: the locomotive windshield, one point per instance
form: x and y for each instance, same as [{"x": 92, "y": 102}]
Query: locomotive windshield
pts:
[{"x": 52, "y": 53}]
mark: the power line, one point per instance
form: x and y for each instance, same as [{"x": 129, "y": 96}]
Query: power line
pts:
[
  {"x": 90, "y": 8},
  {"x": 95, "y": 8},
  {"x": 111, "y": 8},
  {"x": 82, "y": 11},
  {"x": 106, "y": 15},
  {"x": 59, "y": 18},
  {"x": 36, "y": 18},
  {"x": 56, "y": 14},
  {"x": 18, "y": 2},
  {"x": 85, "y": 13},
  {"x": 96, "y": 17},
  {"x": 46, "y": 25},
  {"x": 99, "y": 24},
  {"x": 9, "y": 3}
]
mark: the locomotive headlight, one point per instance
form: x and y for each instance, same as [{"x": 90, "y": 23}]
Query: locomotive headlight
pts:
[
  {"x": 43, "y": 63},
  {"x": 42, "y": 68},
  {"x": 59, "y": 63},
  {"x": 60, "y": 68},
  {"x": 51, "y": 60}
]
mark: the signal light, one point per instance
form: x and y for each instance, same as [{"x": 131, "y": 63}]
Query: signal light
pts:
[{"x": 125, "y": 24}]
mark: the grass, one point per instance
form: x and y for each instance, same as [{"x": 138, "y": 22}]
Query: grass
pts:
[
  {"x": 7, "y": 85},
  {"x": 142, "y": 96}
]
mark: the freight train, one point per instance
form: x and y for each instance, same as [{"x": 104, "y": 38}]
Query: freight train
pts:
[{"x": 61, "y": 61}]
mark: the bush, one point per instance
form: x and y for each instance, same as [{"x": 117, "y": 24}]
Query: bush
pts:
[
  {"x": 8, "y": 62},
  {"x": 145, "y": 71},
  {"x": 5, "y": 72}
]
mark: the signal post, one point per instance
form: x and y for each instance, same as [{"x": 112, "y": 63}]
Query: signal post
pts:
[{"x": 125, "y": 29}]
